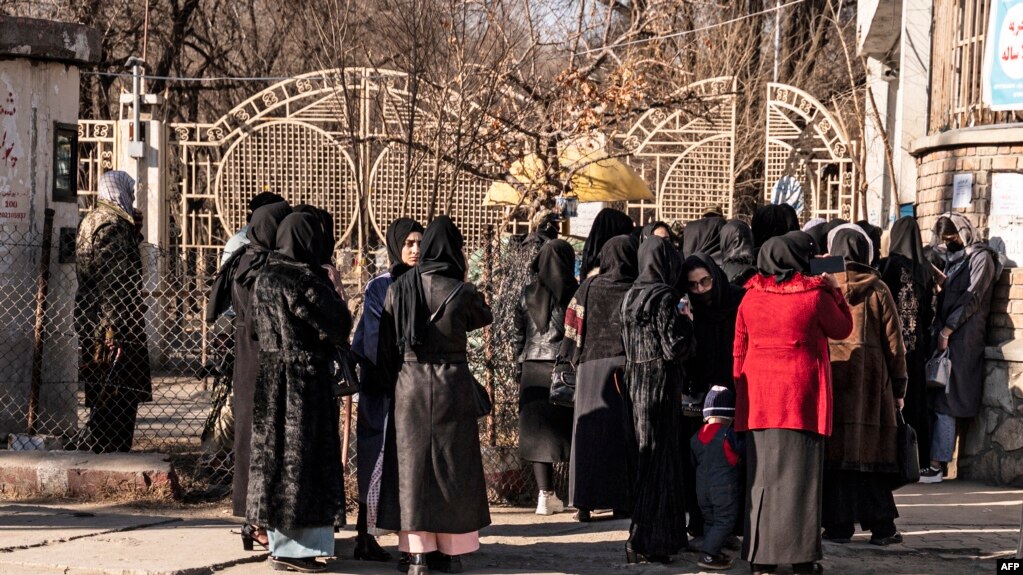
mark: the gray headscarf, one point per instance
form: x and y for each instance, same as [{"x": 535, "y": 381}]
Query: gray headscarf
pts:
[{"x": 118, "y": 188}]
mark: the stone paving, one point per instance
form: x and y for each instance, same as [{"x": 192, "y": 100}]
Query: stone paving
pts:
[{"x": 951, "y": 528}]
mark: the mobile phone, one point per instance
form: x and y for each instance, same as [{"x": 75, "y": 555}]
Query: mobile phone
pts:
[
  {"x": 683, "y": 304},
  {"x": 827, "y": 265}
]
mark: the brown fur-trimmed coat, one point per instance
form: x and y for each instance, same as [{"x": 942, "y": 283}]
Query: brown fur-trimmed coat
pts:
[{"x": 868, "y": 373}]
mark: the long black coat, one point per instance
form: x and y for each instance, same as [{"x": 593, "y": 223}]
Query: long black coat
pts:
[
  {"x": 441, "y": 486},
  {"x": 243, "y": 383},
  {"x": 963, "y": 305},
  {"x": 295, "y": 477},
  {"x": 109, "y": 304}
]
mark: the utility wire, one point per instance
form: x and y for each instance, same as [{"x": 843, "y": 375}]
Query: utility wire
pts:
[{"x": 694, "y": 30}]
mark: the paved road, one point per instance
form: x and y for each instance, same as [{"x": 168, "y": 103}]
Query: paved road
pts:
[{"x": 952, "y": 528}]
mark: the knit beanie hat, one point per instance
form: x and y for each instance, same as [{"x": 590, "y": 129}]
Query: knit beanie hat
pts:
[{"x": 720, "y": 402}]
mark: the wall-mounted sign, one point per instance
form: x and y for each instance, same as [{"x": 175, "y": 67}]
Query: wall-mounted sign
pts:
[
  {"x": 962, "y": 191},
  {"x": 1006, "y": 218},
  {"x": 1002, "y": 76}
]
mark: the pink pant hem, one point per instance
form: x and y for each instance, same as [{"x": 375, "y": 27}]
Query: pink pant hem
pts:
[{"x": 447, "y": 543}]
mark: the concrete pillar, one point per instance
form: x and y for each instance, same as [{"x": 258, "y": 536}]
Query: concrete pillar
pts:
[
  {"x": 39, "y": 87},
  {"x": 878, "y": 178},
  {"x": 914, "y": 90}
]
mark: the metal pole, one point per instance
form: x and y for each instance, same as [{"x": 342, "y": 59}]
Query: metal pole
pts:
[
  {"x": 777, "y": 39},
  {"x": 40, "y": 328}
]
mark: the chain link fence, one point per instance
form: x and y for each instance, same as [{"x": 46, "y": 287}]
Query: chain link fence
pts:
[{"x": 70, "y": 380}]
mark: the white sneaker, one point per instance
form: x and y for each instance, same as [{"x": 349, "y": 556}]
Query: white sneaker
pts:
[
  {"x": 549, "y": 504},
  {"x": 930, "y": 475}
]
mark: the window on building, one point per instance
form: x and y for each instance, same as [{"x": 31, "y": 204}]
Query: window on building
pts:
[
  {"x": 957, "y": 60},
  {"x": 65, "y": 163}
]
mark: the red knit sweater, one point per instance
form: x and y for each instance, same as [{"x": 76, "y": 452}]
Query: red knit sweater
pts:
[{"x": 782, "y": 368}]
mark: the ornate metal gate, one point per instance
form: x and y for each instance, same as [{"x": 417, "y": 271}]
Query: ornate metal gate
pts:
[
  {"x": 808, "y": 157},
  {"x": 688, "y": 158}
]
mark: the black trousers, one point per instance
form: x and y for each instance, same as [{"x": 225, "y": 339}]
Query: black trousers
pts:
[
  {"x": 111, "y": 427},
  {"x": 852, "y": 497}
]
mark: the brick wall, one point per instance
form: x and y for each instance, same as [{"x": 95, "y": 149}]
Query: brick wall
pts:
[{"x": 936, "y": 170}]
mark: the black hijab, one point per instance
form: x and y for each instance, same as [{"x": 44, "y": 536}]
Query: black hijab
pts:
[
  {"x": 660, "y": 267},
  {"x": 851, "y": 245},
  {"x": 906, "y": 245},
  {"x": 262, "y": 236},
  {"x": 773, "y": 220},
  {"x": 300, "y": 238},
  {"x": 608, "y": 224},
  {"x": 554, "y": 267},
  {"x": 618, "y": 260},
  {"x": 648, "y": 230},
  {"x": 441, "y": 254},
  {"x": 819, "y": 233},
  {"x": 397, "y": 233},
  {"x": 328, "y": 239},
  {"x": 722, "y": 295},
  {"x": 784, "y": 256},
  {"x": 874, "y": 233},
  {"x": 703, "y": 236}
]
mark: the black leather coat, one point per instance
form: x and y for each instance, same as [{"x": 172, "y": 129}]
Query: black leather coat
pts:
[{"x": 530, "y": 344}]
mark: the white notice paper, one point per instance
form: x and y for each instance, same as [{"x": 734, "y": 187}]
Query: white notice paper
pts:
[
  {"x": 962, "y": 191},
  {"x": 1006, "y": 220}
]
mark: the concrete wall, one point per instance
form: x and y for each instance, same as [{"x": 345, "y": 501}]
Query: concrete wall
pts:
[{"x": 39, "y": 84}]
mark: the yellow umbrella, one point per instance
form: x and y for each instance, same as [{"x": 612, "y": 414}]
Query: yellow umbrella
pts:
[{"x": 599, "y": 179}]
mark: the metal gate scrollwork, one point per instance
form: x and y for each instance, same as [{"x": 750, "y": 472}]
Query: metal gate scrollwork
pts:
[{"x": 808, "y": 157}]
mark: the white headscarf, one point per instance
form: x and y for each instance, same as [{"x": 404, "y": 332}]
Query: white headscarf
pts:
[{"x": 118, "y": 188}]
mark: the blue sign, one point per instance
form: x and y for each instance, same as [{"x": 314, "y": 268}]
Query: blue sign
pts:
[
  {"x": 788, "y": 190},
  {"x": 1003, "y": 56}
]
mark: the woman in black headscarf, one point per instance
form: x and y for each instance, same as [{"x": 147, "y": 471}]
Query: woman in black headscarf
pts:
[
  {"x": 374, "y": 431},
  {"x": 608, "y": 224},
  {"x": 874, "y": 233},
  {"x": 657, "y": 339},
  {"x": 428, "y": 314},
  {"x": 296, "y": 485},
  {"x": 657, "y": 228},
  {"x": 602, "y": 455},
  {"x": 910, "y": 277},
  {"x": 771, "y": 221},
  {"x": 737, "y": 255},
  {"x": 545, "y": 429},
  {"x": 703, "y": 236},
  {"x": 248, "y": 261},
  {"x": 783, "y": 399},
  {"x": 715, "y": 303}
]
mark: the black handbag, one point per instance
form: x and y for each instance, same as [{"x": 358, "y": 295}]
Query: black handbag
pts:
[
  {"x": 563, "y": 388},
  {"x": 909, "y": 456},
  {"x": 481, "y": 399},
  {"x": 346, "y": 378}
]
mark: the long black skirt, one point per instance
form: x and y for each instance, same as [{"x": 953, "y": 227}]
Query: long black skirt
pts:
[
  {"x": 246, "y": 368},
  {"x": 785, "y": 468},
  {"x": 545, "y": 429},
  {"x": 857, "y": 497},
  {"x": 602, "y": 455}
]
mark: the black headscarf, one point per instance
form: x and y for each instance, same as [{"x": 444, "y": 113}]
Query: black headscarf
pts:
[
  {"x": 441, "y": 254},
  {"x": 718, "y": 293},
  {"x": 300, "y": 238},
  {"x": 608, "y": 224},
  {"x": 648, "y": 230},
  {"x": 703, "y": 236},
  {"x": 907, "y": 245},
  {"x": 262, "y": 236},
  {"x": 660, "y": 267},
  {"x": 554, "y": 267},
  {"x": 874, "y": 233},
  {"x": 713, "y": 327},
  {"x": 851, "y": 245},
  {"x": 328, "y": 239},
  {"x": 783, "y": 256},
  {"x": 738, "y": 258},
  {"x": 397, "y": 233},
  {"x": 819, "y": 233},
  {"x": 773, "y": 220},
  {"x": 618, "y": 260}
]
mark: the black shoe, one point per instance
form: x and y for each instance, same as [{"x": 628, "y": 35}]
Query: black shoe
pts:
[
  {"x": 417, "y": 564},
  {"x": 835, "y": 538},
  {"x": 302, "y": 565},
  {"x": 403, "y": 562},
  {"x": 249, "y": 538},
  {"x": 884, "y": 541},
  {"x": 763, "y": 568},
  {"x": 582, "y": 516},
  {"x": 444, "y": 563},
  {"x": 733, "y": 543},
  {"x": 811, "y": 568},
  {"x": 634, "y": 557},
  {"x": 718, "y": 562},
  {"x": 367, "y": 549},
  {"x": 621, "y": 514}
]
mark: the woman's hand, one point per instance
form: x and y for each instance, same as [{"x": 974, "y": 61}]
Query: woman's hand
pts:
[
  {"x": 831, "y": 280},
  {"x": 900, "y": 403},
  {"x": 943, "y": 336}
]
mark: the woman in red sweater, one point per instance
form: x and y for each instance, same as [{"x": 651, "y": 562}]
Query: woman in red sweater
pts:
[{"x": 783, "y": 386}]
